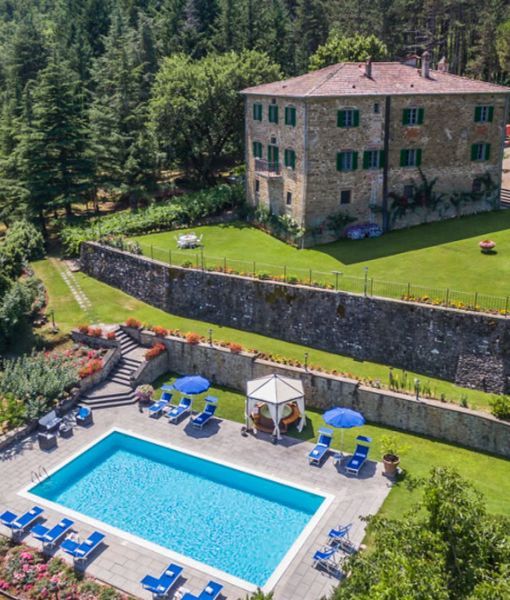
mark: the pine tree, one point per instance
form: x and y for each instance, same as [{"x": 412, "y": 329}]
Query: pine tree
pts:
[
  {"x": 311, "y": 30},
  {"x": 54, "y": 146}
]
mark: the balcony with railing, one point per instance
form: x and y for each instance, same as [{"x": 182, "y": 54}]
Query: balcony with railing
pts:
[{"x": 267, "y": 168}]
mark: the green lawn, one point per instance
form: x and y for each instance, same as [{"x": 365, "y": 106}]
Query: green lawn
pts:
[
  {"x": 439, "y": 255},
  {"x": 491, "y": 475},
  {"x": 110, "y": 305}
]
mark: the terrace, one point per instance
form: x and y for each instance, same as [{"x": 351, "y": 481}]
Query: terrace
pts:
[{"x": 124, "y": 561}]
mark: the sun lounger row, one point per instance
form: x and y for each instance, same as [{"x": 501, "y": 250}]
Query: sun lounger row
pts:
[
  {"x": 332, "y": 556},
  {"x": 175, "y": 413},
  {"x": 51, "y": 536},
  {"x": 160, "y": 586}
]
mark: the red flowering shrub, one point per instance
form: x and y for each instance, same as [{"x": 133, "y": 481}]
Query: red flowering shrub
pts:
[
  {"x": 95, "y": 332},
  {"x": 235, "y": 348},
  {"x": 192, "y": 338},
  {"x": 83, "y": 328},
  {"x": 159, "y": 331},
  {"x": 110, "y": 335},
  {"x": 89, "y": 368},
  {"x": 156, "y": 350},
  {"x": 135, "y": 323}
]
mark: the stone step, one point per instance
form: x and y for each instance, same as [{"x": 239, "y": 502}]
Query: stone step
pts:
[
  {"x": 109, "y": 403},
  {"x": 108, "y": 389},
  {"x": 126, "y": 371},
  {"x": 121, "y": 379}
]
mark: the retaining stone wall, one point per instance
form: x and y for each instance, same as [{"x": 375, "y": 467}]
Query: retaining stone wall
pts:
[
  {"x": 447, "y": 422},
  {"x": 472, "y": 349}
]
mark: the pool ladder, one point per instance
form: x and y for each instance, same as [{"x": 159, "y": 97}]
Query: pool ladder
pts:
[{"x": 38, "y": 475}]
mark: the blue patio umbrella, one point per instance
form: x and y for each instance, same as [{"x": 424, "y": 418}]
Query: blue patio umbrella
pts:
[
  {"x": 343, "y": 418},
  {"x": 191, "y": 384}
]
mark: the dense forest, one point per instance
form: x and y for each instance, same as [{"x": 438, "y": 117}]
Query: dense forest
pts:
[{"x": 100, "y": 97}]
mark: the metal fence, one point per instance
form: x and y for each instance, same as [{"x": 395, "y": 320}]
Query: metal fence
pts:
[{"x": 336, "y": 280}]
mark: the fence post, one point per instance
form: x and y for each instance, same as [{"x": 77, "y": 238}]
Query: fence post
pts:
[
  {"x": 224, "y": 264},
  {"x": 476, "y": 299},
  {"x": 408, "y": 289},
  {"x": 152, "y": 252},
  {"x": 506, "y": 307},
  {"x": 372, "y": 286},
  {"x": 169, "y": 257},
  {"x": 336, "y": 273},
  {"x": 447, "y": 296},
  {"x": 202, "y": 257},
  {"x": 196, "y": 256},
  {"x": 310, "y": 281},
  {"x": 254, "y": 270},
  {"x": 284, "y": 272},
  {"x": 366, "y": 281}
]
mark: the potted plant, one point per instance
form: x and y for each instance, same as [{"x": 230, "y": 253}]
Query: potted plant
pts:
[
  {"x": 487, "y": 246},
  {"x": 144, "y": 393},
  {"x": 391, "y": 449}
]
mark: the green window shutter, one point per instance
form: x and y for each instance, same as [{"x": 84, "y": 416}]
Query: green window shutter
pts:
[
  {"x": 276, "y": 114},
  {"x": 356, "y": 118},
  {"x": 474, "y": 151},
  {"x": 254, "y": 147},
  {"x": 293, "y": 159},
  {"x": 290, "y": 116},
  {"x": 403, "y": 158},
  {"x": 491, "y": 113},
  {"x": 382, "y": 158},
  {"x": 418, "y": 157},
  {"x": 366, "y": 159},
  {"x": 478, "y": 114},
  {"x": 354, "y": 161},
  {"x": 340, "y": 118},
  {"x": 338, "y": 161},
  {"x": 405, "y": 116},
  {"x": 287, "y": 115},
  {"x": 421, "y": 113},
  {"x": 293, "y": 116},
  {"x": 257, "y": 111},
  {"x": 254, "y": 112},
  {"x": 487, "y": 151}
]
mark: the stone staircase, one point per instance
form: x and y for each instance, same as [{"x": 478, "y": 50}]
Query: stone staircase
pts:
[{"x": 117, "y": 390}]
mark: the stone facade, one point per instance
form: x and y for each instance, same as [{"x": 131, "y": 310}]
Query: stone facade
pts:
[
  {"x": 438, "y": 420},
  {"x": 445, "y": 138},
  {"x": 472, "y": 349}
]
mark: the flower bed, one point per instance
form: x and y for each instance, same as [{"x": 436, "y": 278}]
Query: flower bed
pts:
[
  {"x": 156, "y": 350},
  {"x": 25, "y": 573}
]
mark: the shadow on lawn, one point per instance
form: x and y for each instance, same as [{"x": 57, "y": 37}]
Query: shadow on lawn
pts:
[{"x": 417, "y": 238}]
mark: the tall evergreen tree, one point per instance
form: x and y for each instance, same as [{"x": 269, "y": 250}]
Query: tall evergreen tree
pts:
[
  {"x": 311, "y": 30},
  {"x": 54, "y": 146}
]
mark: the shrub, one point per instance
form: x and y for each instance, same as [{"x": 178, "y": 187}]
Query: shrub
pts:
[
  {"x": 185, "y": 210},
  {"x": 95, "y": 332},
  {"x": 91, "y": 367},
  {"x": 500, "y": 407},
  {"x": 156, "y": 350},
  {"x": 192, "y": 338},
  {"x": 111, "y": 335},
  {"x": 22, "y": 243},
  {"x": 83, "y": 329},
  {"x": 159, "y": 331},
  {"x": 134, "y": 323},
  {"x": 15, "y": 309},
  {"x": 235, "y": 348},
  {"x": 12, "y": 412}
]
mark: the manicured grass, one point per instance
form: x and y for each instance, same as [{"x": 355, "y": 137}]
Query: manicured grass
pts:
[
  {"x": 438, "y": 255},
  {"x": 488, "y": 473},
  {"x": 110, "y": 305}
]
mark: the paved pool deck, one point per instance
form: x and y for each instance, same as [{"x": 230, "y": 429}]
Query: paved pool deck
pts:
[{"x": 123, "y": 563}]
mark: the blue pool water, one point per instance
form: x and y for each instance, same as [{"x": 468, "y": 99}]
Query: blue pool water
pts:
[{"x": 226, "y": 518}]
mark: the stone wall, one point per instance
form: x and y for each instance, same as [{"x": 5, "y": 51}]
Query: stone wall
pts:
[
  {"x": 446, "y": 422},
  {"x": 472, "y": 349}
]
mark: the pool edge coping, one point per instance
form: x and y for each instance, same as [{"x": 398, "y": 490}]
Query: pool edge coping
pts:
[{"x": 276, "y": 574}]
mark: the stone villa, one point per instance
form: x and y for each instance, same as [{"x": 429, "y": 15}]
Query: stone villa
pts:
[{"x": 357, "y": 139}]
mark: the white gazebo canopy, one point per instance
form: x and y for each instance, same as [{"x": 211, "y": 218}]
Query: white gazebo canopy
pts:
[{"x": 275, "y": 391}]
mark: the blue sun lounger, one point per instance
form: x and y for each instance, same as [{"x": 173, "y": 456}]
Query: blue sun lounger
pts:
[
  {"x": 161, "y": 586},
  {"x": 18, "y": 525},
  {"x": 360, "y": 455},
  {"x": 207, "y": 414},
  {"x": 177, "y": 412},
  {"x": 51, "y": 537},
  {"x": 321, "y": 447},
  {"x": 82, "y": 551},
  {"x": 340, "y": 536},
  {"x": 156, "y": 408},
  {"x": 329, "y": 559},
  {"x": 211, "y": 592}
]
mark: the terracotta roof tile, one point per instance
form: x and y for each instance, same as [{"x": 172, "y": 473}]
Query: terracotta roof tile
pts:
[{"x": 388, "y": 78}]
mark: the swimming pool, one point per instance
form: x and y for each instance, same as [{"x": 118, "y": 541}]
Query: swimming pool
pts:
[{"x": 227, "y": 519}]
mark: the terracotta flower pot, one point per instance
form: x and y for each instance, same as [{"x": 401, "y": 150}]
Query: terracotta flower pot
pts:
[
  {"x": 486, "y": 246},
  {"x": 390, "y": 462}
]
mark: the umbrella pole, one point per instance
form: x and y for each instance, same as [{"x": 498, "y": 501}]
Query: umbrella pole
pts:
[{"x": 342, "y": 442}]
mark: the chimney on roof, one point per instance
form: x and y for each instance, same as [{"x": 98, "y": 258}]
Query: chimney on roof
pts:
[
  {"x": 442, "y": 65},
  {"x": 368, "y": 67},
  {"x": 425, "y": 64}
]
